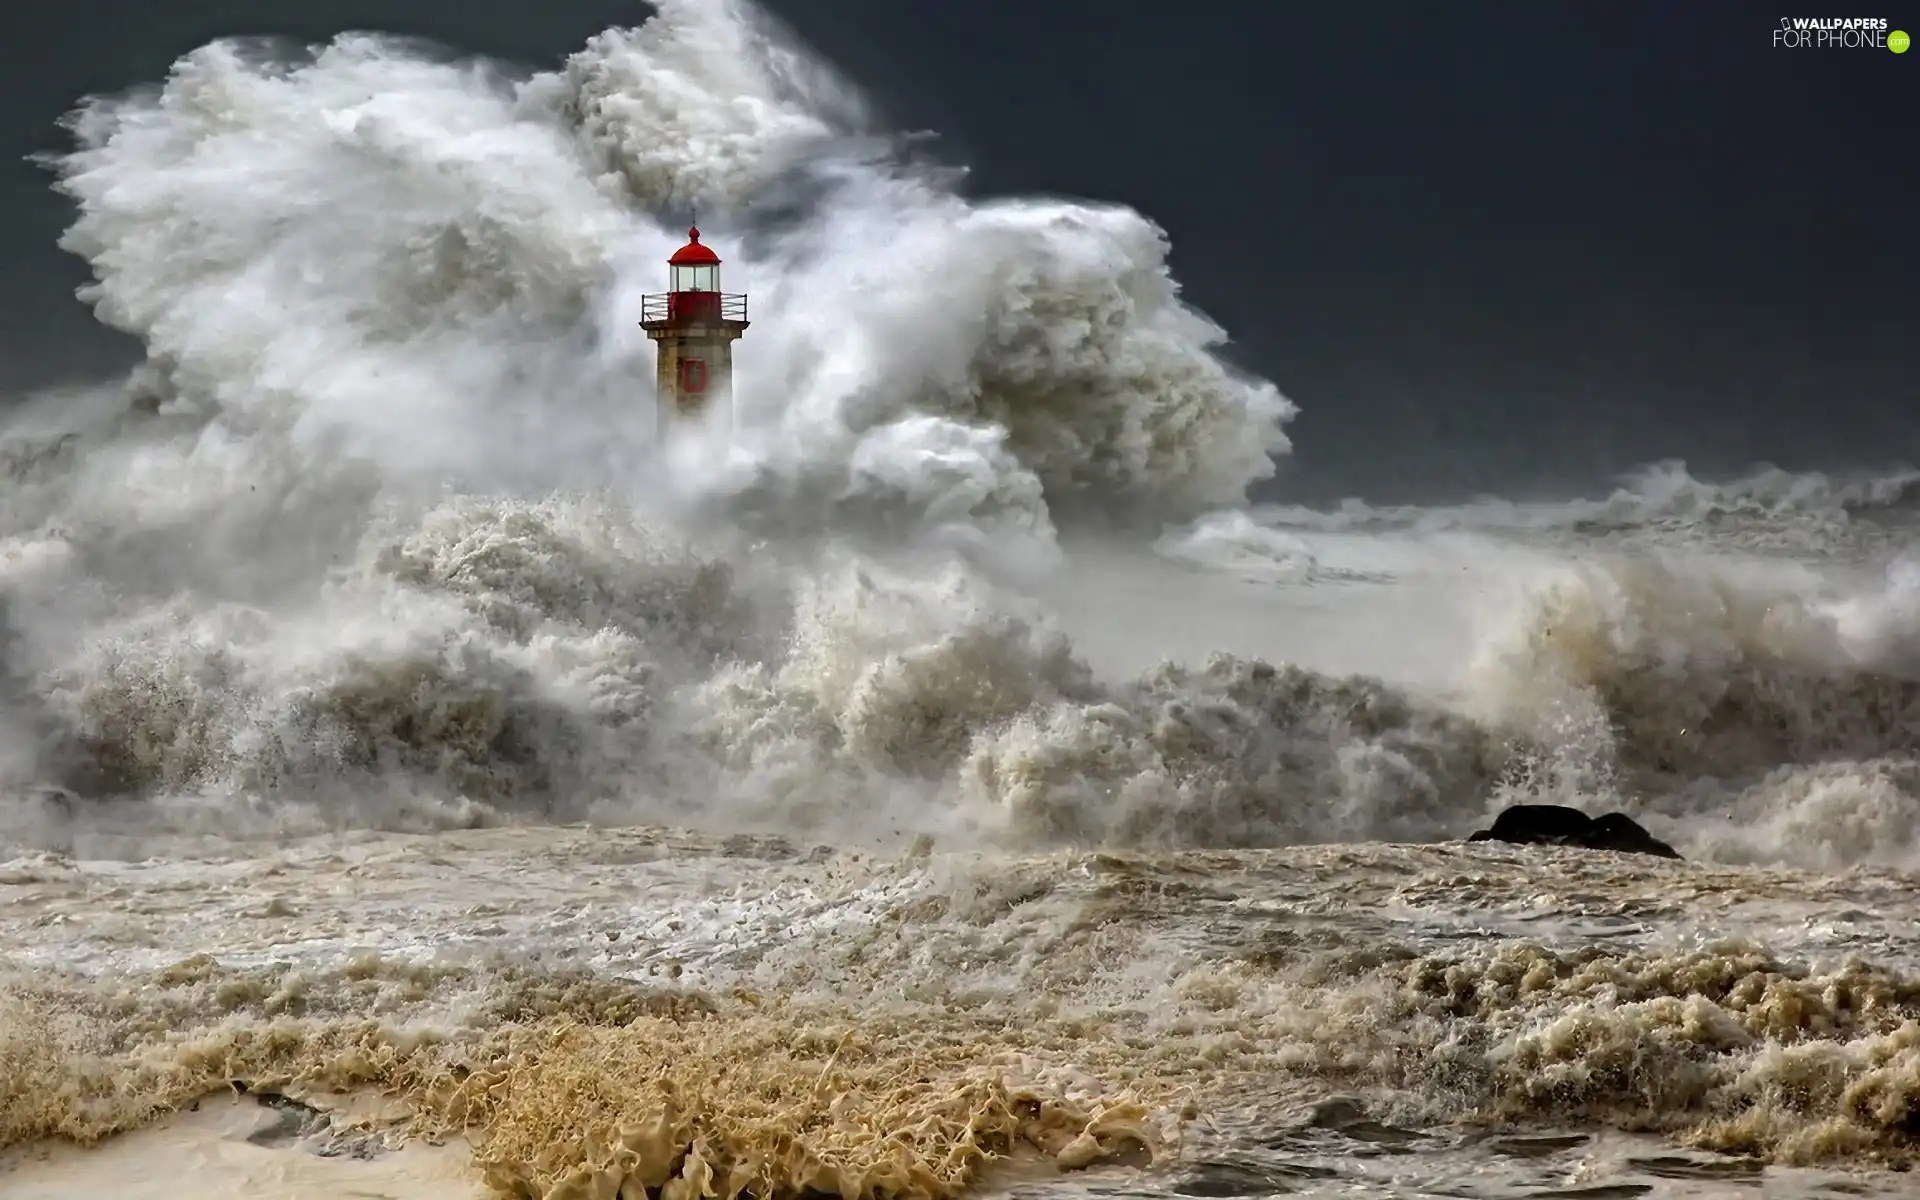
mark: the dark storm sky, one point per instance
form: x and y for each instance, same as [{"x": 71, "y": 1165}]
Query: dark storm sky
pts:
[{"x": 1513, "y": 246}]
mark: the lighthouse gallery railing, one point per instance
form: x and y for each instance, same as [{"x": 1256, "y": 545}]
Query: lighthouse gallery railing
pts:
[{"x": 676, "y": 307}]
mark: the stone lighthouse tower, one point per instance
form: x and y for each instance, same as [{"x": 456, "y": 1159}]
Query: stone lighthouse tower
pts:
[{"x": 694, "y": 325}]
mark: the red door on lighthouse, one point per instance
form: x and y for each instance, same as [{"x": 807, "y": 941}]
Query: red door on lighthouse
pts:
[{"x": 693, "y": 375}]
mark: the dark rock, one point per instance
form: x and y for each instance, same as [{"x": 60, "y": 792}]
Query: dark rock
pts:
[{"x": 1558, "y": 825}]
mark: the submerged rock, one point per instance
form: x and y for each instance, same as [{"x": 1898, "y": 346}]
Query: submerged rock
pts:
[{"x": 1558, "y": 825}]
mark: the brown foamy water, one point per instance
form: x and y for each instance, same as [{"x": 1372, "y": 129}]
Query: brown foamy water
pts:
[{"x": 594, "y": 1009}]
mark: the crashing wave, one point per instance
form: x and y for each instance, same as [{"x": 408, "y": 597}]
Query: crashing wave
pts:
[{"x": 383, "y": 536}]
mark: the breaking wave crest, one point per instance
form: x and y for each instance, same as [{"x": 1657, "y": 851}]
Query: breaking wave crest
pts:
[
  {"x": 1767, "y": 708},
  {"x": 1766, "y": 509}
]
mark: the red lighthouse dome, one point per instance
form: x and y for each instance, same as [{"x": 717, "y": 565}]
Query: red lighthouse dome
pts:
[
  {"x": 694, "y": 267},
  {"x": 694, "y": 254}
]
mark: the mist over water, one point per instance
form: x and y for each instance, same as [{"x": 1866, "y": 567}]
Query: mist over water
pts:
[{"x": 379, "y": 541}]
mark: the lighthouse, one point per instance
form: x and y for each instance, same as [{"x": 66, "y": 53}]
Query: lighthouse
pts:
[{"x": 694, "y": 326}]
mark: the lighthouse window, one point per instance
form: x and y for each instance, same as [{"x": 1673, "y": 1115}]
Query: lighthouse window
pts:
[{"x": 696, "y": 279}]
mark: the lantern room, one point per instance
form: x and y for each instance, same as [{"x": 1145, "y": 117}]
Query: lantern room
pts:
[{"x": 694, "y": 267}]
